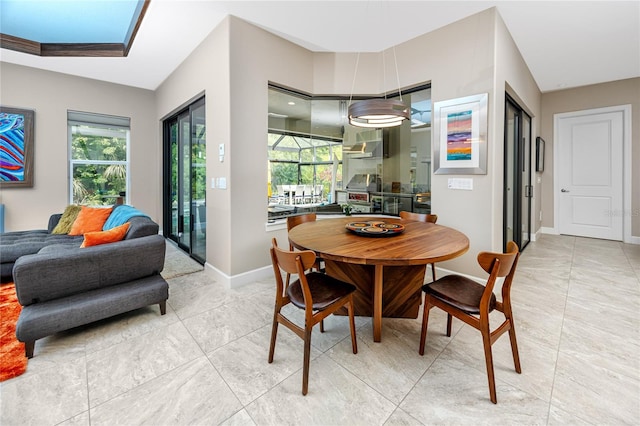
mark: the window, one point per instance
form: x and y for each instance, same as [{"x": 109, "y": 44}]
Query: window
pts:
[
  {"x": 98, "y": 158},
  {"x": 318, "y": 162},
  {"x": 304, "y": 152}
]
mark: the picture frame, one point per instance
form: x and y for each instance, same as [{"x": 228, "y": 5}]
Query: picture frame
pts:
[
  {"x": 539, "y": 154},
  {"x": 16, "y": 147},
  {"x": 460, "y": 135}
]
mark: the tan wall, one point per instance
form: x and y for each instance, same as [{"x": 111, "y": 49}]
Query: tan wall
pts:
[
  {"x": 233, "y": 67},
  {"x": 512, "y": 77},
  {"x": 269, "y": 58},
  {"x": 614, "y": 93},
  {"x": 51, "y": 94},
  {"x": 206, "y": 72},
  {"x": 459, "y": 60}
]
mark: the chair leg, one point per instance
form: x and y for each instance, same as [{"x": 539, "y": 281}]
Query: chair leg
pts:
[
  {"x": 321, "y": 326},
  {"x": 486, "y": 340},
  {"x": 274, "y": 333},
  {"x": 163, "y": 307},
  {"x": 352, "y": 326},
  {"x": 514, "y": 348},
  {"x": 425, "y": 323},
  {"x": 449, "y": 321},
  {"x": 307, "y": 357}
]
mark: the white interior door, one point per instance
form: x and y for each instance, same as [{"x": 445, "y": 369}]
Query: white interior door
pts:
[{"x": 590, "y": 174}]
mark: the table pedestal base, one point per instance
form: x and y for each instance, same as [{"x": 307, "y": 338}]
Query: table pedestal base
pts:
[{"x": 401, "y": 289}]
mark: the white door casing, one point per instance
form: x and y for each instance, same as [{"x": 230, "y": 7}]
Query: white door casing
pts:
[{"x": 590, "y": 173}]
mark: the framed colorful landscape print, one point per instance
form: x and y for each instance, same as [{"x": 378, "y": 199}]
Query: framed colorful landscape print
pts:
[
  {"x": 16, "y": 147},
  {"x": 460, "y": 136}
]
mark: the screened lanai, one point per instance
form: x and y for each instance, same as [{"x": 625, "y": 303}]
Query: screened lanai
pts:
[{"x": 303, "y": 169}]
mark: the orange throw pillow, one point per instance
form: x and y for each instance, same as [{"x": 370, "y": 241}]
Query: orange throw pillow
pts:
[
  {"x": 105, "y": 237},
  {"x": 90, "y": 219}
]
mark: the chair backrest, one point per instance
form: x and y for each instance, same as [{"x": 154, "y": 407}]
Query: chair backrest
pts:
[
  {"x": 487, "y": 260},
  {"x": 419, "y": 217},
  {"x": 280, "y": 189},
  {"x": 293, "y": 221},
  {"x": 499, "y": 265},
  {"x": 292, "y": 262}
]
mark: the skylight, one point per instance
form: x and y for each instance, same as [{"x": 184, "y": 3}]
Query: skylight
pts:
[{"x": 70, "y": 27}]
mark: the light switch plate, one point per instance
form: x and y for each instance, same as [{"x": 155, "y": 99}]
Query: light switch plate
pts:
[
  {"x": 460, "y": 183},
  {"x": 222, "y": 183}
]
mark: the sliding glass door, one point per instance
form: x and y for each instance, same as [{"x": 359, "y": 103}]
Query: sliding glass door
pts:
[
  {"x": 185, "y": 179},
  {"x": 517, "y": 175}
]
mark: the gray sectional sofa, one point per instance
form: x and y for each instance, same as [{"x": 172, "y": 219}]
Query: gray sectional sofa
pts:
[
  {"x": 62, "y": 286},
  {"x": 16, "y": 244}
]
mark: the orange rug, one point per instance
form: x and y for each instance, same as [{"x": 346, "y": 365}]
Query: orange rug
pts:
[{"x": 12, "y": 360}]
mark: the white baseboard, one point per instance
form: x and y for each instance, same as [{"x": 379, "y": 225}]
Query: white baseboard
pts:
[
  {"x": 266, "y": 273},
  {"x": 547, "y": 230},
  {"x": 238, "y": 280},
  {"x": 634, "y": 240},
  {"x": 554, "y": 231}
]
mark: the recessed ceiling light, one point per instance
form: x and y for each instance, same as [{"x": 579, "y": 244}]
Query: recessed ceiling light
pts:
[{"x": 291, "y": 103}]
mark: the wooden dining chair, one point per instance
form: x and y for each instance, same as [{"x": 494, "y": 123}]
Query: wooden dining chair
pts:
[
  {"x": 293, "y": 221},
  {"x": 318, "y": 294},
  {"x": 472, "y": 303},
  {"x": 421, "y": 217}
]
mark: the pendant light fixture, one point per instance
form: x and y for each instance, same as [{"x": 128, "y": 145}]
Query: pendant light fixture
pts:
[{"x": 378, "y": 112}]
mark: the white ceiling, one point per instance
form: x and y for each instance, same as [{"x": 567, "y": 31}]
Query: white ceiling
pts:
[{"x": 565, "y": 43}]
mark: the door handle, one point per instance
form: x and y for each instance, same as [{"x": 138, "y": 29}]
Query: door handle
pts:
[{"x": 564, "y": 190}]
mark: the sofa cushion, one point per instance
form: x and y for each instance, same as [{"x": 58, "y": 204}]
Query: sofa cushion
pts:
[
  {"x": 58, "y": 248},
  {"x": 66, "y": 221},
  {"x": 105, "y": 237},
  {"x": 19, "y": 243},
  {"x": 90, "y": 219}
]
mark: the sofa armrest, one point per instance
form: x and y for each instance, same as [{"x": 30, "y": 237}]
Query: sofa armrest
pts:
[
  {"x": 54, "y": 274},
  {"x": 141, "y": 226},
  {"x": 53, "y": 221}
]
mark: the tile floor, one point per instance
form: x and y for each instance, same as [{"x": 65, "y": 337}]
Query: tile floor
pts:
[{"x": 576, "y": 306}]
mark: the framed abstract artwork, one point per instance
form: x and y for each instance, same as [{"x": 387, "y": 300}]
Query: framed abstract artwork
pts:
[
  {"x": 16, "y": 147},
  {"x": 460, "y": 136}
]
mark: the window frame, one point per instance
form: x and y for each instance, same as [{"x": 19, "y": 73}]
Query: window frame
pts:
[{"x": 101, "y": 122}]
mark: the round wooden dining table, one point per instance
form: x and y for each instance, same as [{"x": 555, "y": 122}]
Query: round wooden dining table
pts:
[{"x": 388, "y": 271}]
